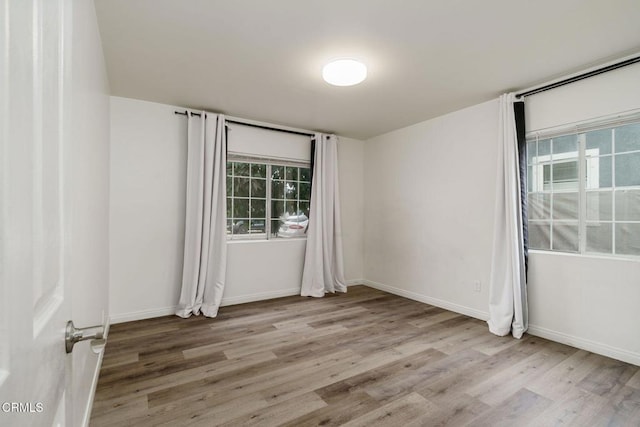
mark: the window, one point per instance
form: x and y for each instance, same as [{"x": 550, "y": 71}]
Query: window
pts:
[
  {"x": 584, "y": 191},
  {"x": 267, "y": 200}
]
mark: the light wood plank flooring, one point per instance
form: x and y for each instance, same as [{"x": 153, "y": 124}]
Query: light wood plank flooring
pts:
[{"x": 365, "y": 358}]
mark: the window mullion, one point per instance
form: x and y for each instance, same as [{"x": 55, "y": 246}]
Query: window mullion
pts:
[
  {"x": 551, "y": 194},
  {"x": 233, "y": 199},
  {"x": 268, "y": 202},
  {"x": 613, "y": 191},
  {"x": 582, "y": 195}
]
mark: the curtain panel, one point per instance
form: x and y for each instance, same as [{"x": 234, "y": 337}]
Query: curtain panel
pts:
[
  {"x": 205, "y": 251},
  {"x": 323, "y": 269},
  {"x": 508, "y": 310}
]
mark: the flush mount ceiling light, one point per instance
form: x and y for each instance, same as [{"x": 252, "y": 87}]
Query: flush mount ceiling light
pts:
[{"x": 344, "y": 72}]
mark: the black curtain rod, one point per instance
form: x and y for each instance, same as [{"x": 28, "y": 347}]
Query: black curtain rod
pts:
[
  {"x": 184, "y": 113},
  {"x": 295, "y": 132},
  {"x": 580, "y": 77}
]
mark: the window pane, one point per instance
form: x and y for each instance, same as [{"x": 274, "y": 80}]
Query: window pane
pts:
[
  {"x": 291, "y": 207},
  {"x": 277, "y": 172},
  {"x": 544, "y": 147},
  {"x": 241, "y": 169},
  {"x": 305, "y": 191},
  {"x": 598, "y": 171},
  {"x": 259, "y": 188},
  {"x": 258, "y": 226},
  {"x": 292, "y": 173},
  {"x": 229, "y": 226},
  {"x": 565, "y": 175},
  {"x": 628, "y": 239},
  {"x": 565, "y": 144},
  {"x": 628, "y": 205},
  {"x": 258, "y": 208},
  {"x": 240, "y": 226},
  {"x": 241, "y": 187},
  {"x": 539, "y": 206},
  {"x": 241, "y": 208},
  {"x": 229, "y": 208},
  {"x": 229, "y": 168},
  {"x": 565, "y": 205},
  {"x": 627, "y": 138},
  {"x": 277, "y": 189},
  {"x": 530, "y": 178},
  {"x": 259, "y": 171},
  {"x": 539, "y": 233},
  {"x": 599, "y": 141},
  {"x": 627, "y": 169},
  {"x": 304, "y": 207},
  {"x": 275, "y": 226},
  {"x": 531, "y": 151},
  {"x": 291, "y": 191},
  {"x": 599, "y": 206},
  {"x": 305, "y": 174},
  {"x": 277, "y": 209},
  {"x": 230, "y": 186},
  {"x": 599, "y": 237},
  {"x": 565, "y": 237},
  {"x": 546, "y": 177}
]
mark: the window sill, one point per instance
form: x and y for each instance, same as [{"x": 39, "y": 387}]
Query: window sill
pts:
[
  {"x": 262, "y": 241},
  {"x": 604, "y": 257}
]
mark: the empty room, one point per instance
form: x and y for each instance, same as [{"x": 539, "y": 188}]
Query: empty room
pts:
[{"x": 304, "y": 213}]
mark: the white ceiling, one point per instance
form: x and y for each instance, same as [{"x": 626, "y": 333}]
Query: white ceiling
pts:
[{"x": 262, "y": 60}]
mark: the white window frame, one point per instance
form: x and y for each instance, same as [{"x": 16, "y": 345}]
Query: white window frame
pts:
[
  {"x": 269, "y": 162},
  {"x": 588, "y": 181}
]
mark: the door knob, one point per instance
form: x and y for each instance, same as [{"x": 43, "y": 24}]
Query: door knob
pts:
[{"x": 73, "y": 335}]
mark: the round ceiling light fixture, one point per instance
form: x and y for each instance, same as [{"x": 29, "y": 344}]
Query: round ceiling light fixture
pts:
[{"x": 344, "y": 72}]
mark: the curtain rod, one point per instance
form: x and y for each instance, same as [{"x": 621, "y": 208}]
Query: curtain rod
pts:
[
  {"x": 579, "y": 77},
  {"x": 295, "y": 132}
]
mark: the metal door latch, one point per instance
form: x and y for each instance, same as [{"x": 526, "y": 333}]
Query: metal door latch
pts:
[{"x": 73, "y": 335}]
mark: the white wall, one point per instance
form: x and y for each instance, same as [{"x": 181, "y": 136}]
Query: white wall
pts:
[
  {"x": 148, "y": 170},
  {"x": 429, "y": 204},
  {"x": 87, "y": 180},
  {"x": 351, "y": 173},
  {"x": 148, "y": 179},
  {"x": 587, "y": 301}
]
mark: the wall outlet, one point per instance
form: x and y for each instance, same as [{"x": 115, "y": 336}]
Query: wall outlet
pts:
[{"x": 477, "y": 286}]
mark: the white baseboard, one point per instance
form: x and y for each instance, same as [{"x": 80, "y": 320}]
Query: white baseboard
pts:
[
  {"x": 467, "y": 311},
  {"x": 166, "y": 311},
  {"x": 144, "y": 314},
  {"x": 353, "y": 282},
  {"x": 584, "y": 344},
  {"x": 261, "y": 296}
]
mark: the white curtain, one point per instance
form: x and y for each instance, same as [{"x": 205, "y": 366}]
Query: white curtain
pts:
[
  {"x": 323, "y": 264},
  {"x": 205, "y": 245},
  {"x": 507, "y": 287}
]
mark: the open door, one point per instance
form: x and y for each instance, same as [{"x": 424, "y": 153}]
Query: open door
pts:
[{"x": 34, "y": 296}]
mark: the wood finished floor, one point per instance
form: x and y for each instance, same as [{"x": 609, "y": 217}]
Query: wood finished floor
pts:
[{"x": 366, "y": 358}]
